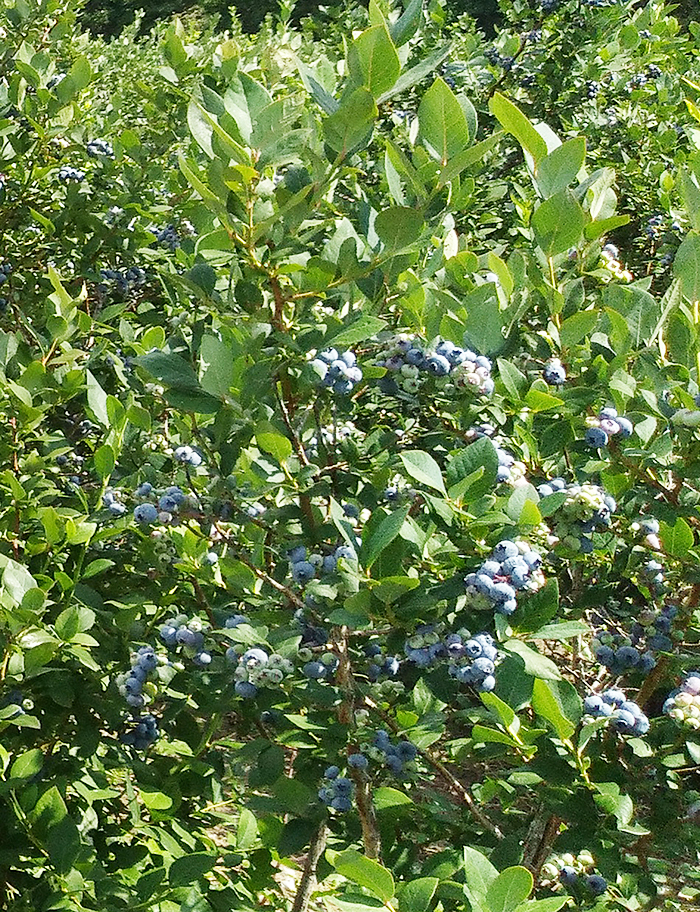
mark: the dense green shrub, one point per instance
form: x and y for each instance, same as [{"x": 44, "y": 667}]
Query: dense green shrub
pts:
[{"x": 349, "y": 487}]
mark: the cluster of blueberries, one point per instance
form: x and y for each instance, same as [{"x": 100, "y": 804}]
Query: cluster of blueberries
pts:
[
  {"x": 570, "y": 877},
  {"x": 653, "y": 226},
  {"x": 606, "y": 425},
  {"x": 683, "y": 704},
  {"x": 554, "y": 372},
  {"x": 141, "y": 733},
  {"x": 592, "y": 89},
  {"x": 337, "y": 370},
  {"x": 68, "y": 173},
  {"x": 574, "y": 871},
  {"x": 625, "y": 716},
  {"x": 321, "y": 669},
  {"x": 168, "y": 237},
  {"x": 305, "y": 566},
  {"x": 255, "y": 668},
  {"x": 398, "y": 491},
  {"x": 641, "y": 79},
  {"x": 125, "y": 281},
  {"x": 100, "y": 147},
  {"x": 648, "y": 634},
  {"x": 331, "y": 436},
  {"x": 585, "y": 509},
  {"x": 654, "y": 573},
  {"x": 494, "y": 57},
  {"x": 394, "y": 756},
  {"x": 187, "y": 455},
  {"x": 5, "y": 270},
  {"x": 168, "y": 505},
  {"x": 337, "y": 794},
  {"x": 470, "y": 659},
  {"x": 131, "y": 685},
  {"x": 380, "y": 665},
  {"x": 188, "y": 633},
  {"x": 406, "y": 359},
  {"x": 512, "y": 566}
]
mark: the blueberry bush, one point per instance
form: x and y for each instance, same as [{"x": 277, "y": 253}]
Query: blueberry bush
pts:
[{"x": 350, "y": 462}]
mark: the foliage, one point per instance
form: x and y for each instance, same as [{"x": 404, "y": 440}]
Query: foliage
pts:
[{"x": 351, "y": 415}]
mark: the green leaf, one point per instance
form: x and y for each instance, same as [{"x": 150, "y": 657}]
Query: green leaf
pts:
[
  {"x": 169, "y": 368},
  {"x": 216, "y": 365},
  {"x": 481, "y": 454},
  {"x": 479, "y": 874},
  {"x": 483, "y": 328},
  {"x": 512, "y": 119},
  {"x": 16, "y": 579},
  {"x": 686, "y": 266},
  {"x": 513, "y": 380},
  {"x": 373, "y": 61},
  {"x": 417, "y": 73},
  {"x": 467, "y": 157},
  {"x": 502, "y": 712},
  {"x": 407, "y": 24},
  {"x": 562, "y": 631},
  {"x": 546, "y": 705},
  {"x": 442, "y": 123},
  {"x": 386, "y": 798},
  {"x": 104, "y": 461},
  {"x": 63, "y": 844},
  {"x": 509, "y": 889},
  {"x": 536, "y": 608},
  {"x": 365, "y": 872},
  {"x": 577, "y": 327},
  {"x": 359, "y": 330},
  {"x": 272, "y": 441},
  {"x": 247, "y": 831},
  {"x": 398, "y": 227},
  {"x": 383, "y": 535},
  {"x": 691, "y": 198},
  {"x": 597, "y": 229},
  {"x": 539, "y": 401},
  {"x": 558, "y": 223},
  {"x": 351, "y": 125},
  {"x": 549, "y": 904},
  {"x": 27, "y": 764},
  {"x": 422, "y": 467},
  {"x": 560, "y": 167},
  {"x": 417, "y": 895},
  {"x": 677, "y": 539},
  {"x": 190, "y": 868},
  {"x": 96, "y": 399},
  {"x": 535, "y": 664},
  {"x": 482, "y": 734}
]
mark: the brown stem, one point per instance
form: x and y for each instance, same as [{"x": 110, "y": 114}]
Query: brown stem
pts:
[
  {"x": 278, "y": 312},
  {"x": 287, "y": 418},
  {"x": 371, "y": 839},
  {"x": 307, "y": 883},
  {"x": 538, "y": 842},
  {"x": 346, "y": 715}
]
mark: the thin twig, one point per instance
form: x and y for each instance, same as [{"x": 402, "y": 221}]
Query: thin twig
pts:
[{"x": 307, "y": 883}]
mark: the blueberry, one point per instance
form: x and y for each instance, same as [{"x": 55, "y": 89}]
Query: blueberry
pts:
[
  {"x": 358, "y": 761},
  {"x": 438, "y": 365},
  {"x": 568, "y": 876},
  {"x": 596, "y": 884},
  {"x": 596, "y": 437}
]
